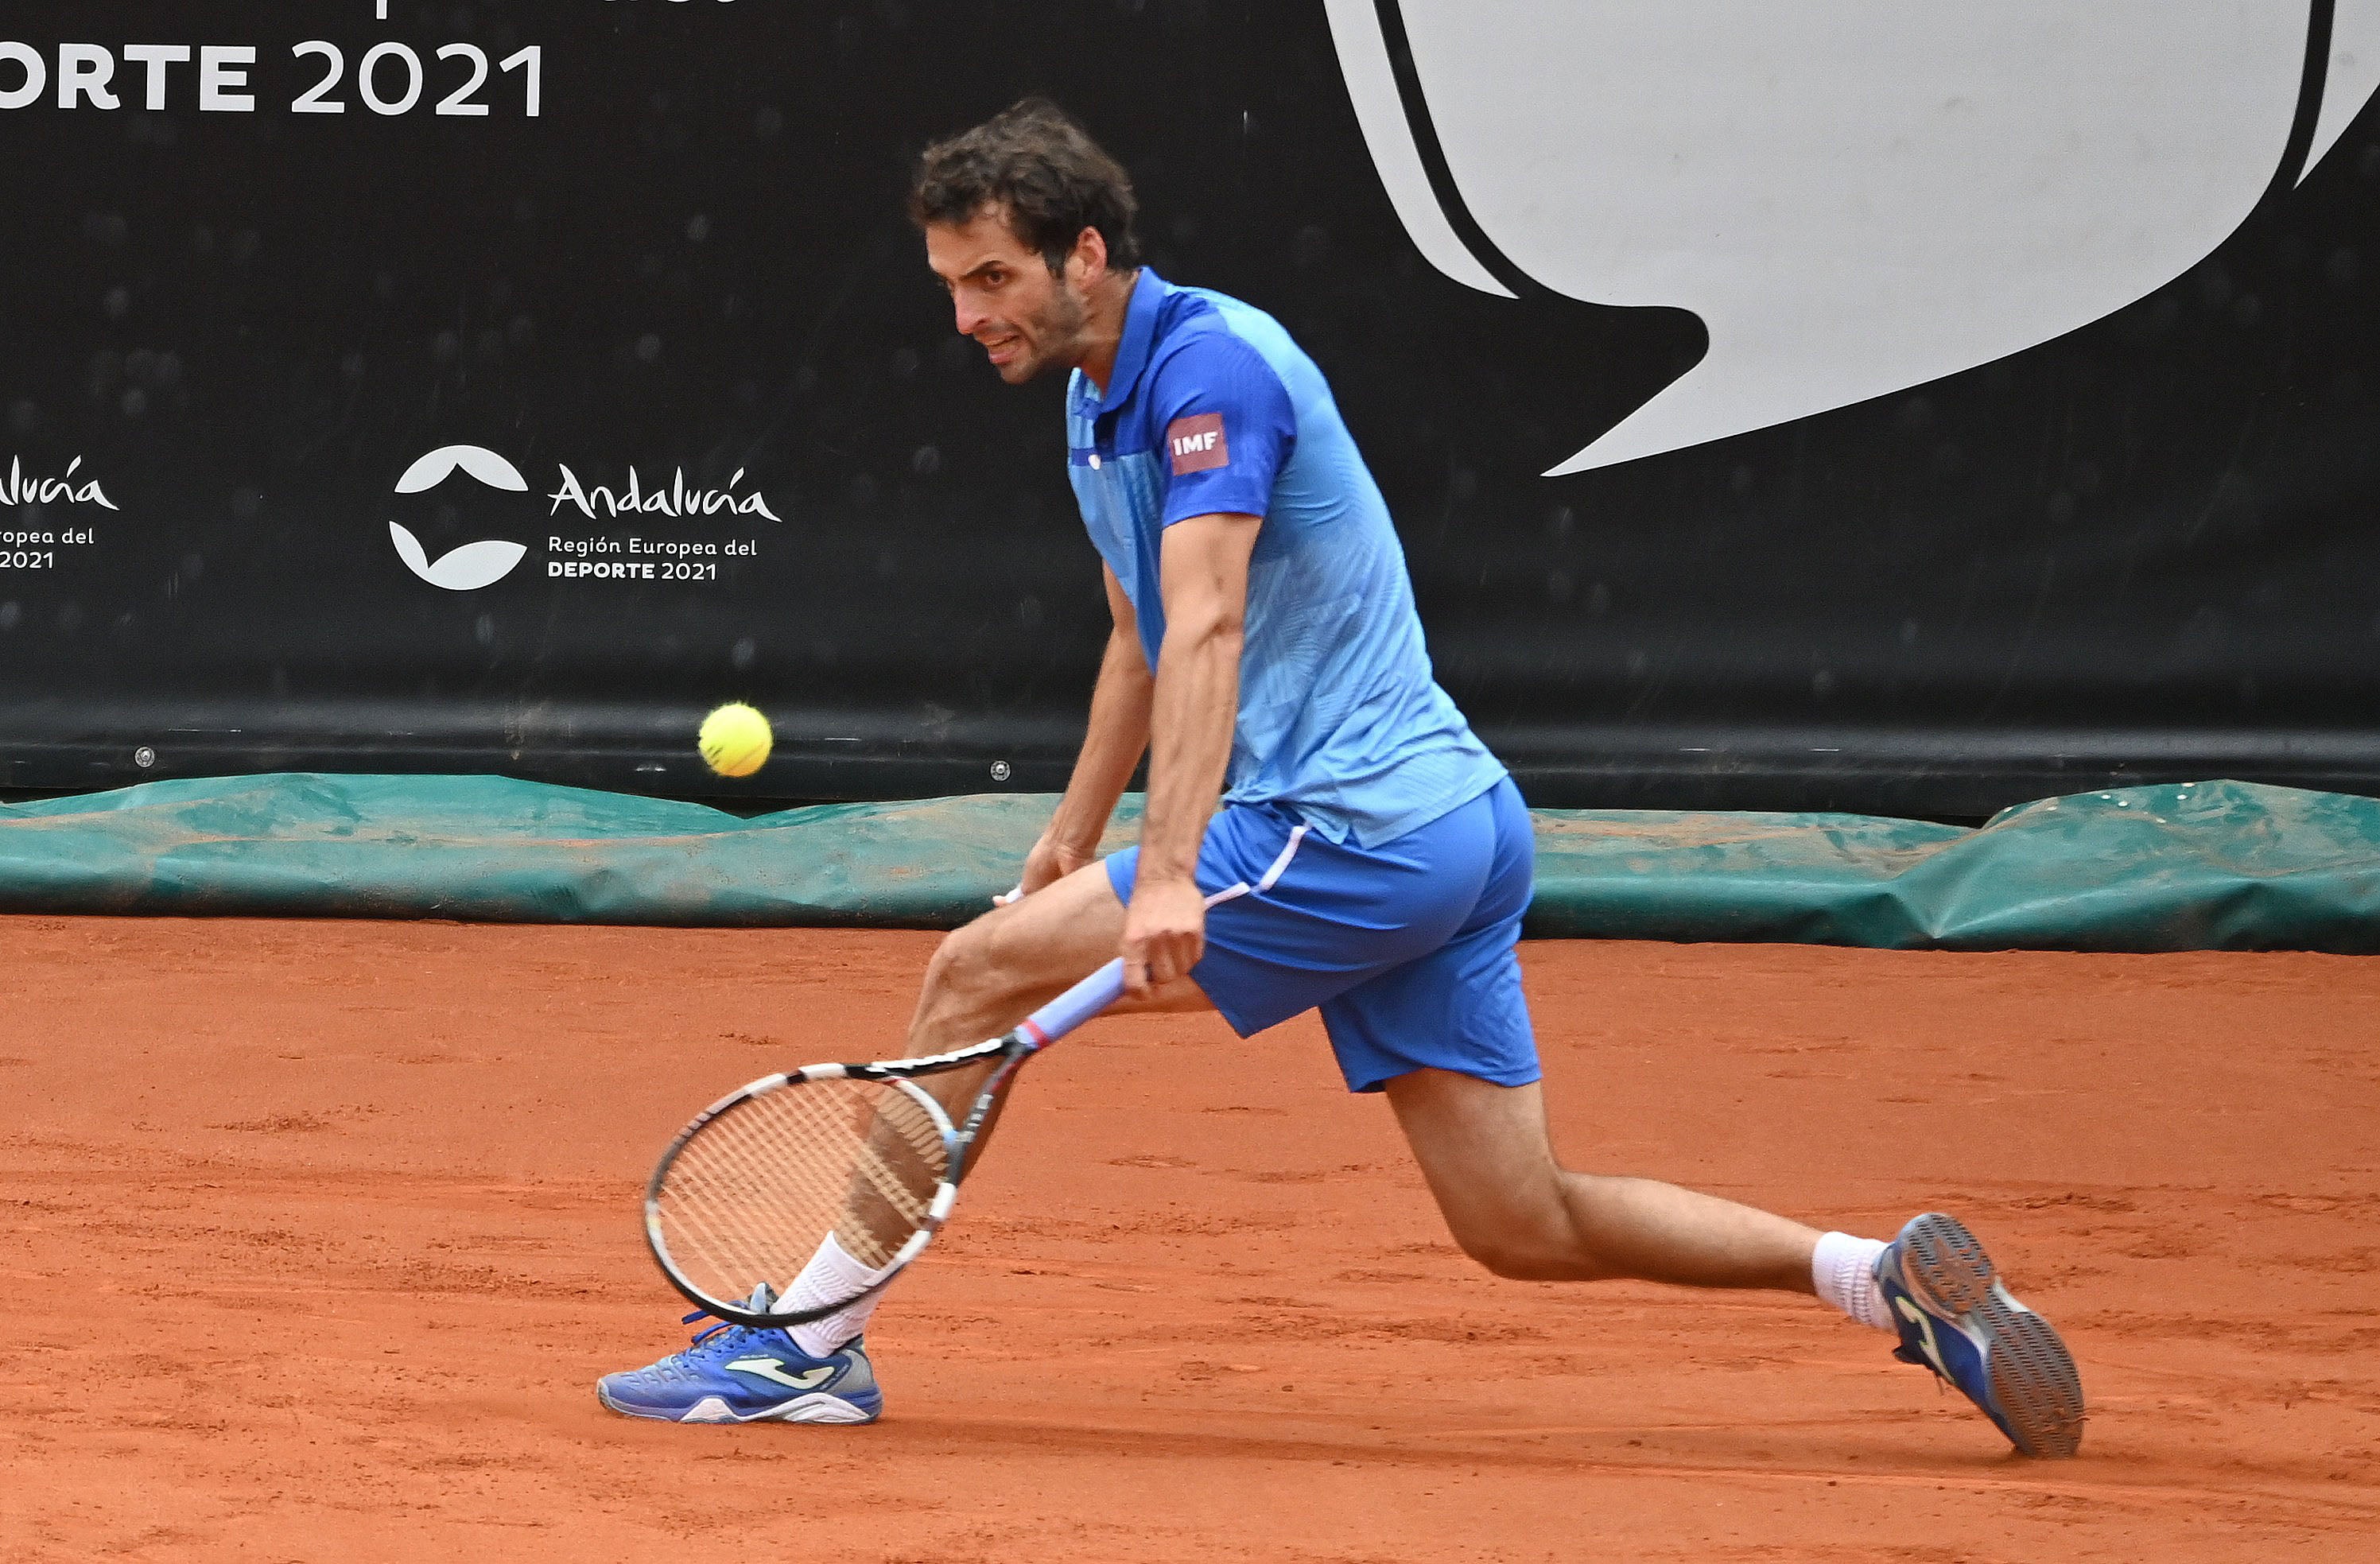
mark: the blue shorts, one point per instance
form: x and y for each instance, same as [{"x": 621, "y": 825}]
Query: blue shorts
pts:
[{"x": 1407, "y": 947}]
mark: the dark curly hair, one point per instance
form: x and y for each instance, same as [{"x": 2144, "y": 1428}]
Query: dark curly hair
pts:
[{"x": 1033, "y": 162}]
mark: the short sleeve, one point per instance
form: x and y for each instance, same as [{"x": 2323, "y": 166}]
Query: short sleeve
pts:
[{"x": 1224, "y": 426}]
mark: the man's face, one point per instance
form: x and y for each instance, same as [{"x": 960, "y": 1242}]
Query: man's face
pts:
[{"x": 1028, "y": 322}]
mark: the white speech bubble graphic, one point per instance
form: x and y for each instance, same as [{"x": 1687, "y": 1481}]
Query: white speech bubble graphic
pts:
[
  {"x": 477, "y": 461},
  {"x": 466, "y": 569},
  {"x": 1855, "y": 196}
]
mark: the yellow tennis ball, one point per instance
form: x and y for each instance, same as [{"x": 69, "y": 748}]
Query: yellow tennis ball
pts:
[{"x": 735, "y": 740}]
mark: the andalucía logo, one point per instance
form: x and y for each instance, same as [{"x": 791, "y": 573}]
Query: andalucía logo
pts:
[
  {"x": 626, "y": 556},
  {"x": 22, "y": 490}
]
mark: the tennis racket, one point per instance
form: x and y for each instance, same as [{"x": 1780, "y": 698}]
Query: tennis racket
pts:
[{"x": 857, "y": 1157}]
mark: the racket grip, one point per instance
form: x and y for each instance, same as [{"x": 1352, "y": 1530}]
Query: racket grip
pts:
[{"x": 1076, "y": 1005}]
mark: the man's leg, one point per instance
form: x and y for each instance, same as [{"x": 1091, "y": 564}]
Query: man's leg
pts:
[
  {"x": 1446, "y": 1034},
  {"x": 991, "y": 974},
  {"x": 1485, "y": 1151}
]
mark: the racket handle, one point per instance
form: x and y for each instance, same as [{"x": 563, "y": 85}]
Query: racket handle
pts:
[{"x": 1076, "y": 1005}]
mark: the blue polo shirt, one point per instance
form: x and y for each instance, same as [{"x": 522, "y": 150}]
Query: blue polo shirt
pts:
[{"x": 1213, "y": 409}]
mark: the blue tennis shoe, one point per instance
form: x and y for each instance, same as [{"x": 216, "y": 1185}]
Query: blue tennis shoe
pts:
[
  {"x": 734, "y": 1373},
  {"x": 1956, "y": 1318}
]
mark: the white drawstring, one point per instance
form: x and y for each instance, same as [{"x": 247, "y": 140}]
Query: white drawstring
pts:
[{"x": 1270, "y": 877}]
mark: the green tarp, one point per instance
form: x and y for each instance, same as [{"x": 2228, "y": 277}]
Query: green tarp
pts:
[{"x": 2191, "y": 866}]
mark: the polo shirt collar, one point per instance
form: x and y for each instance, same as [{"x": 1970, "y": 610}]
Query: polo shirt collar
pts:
[{"x": 1149, "y": 291}]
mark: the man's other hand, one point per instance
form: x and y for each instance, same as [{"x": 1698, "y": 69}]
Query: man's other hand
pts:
[
  {"x": 1050, "y": 862},
  {"x": 1164, "y": 933}
]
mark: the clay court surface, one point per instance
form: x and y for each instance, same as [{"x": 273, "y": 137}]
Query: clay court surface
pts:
[{"x": 317, "y": 1234}]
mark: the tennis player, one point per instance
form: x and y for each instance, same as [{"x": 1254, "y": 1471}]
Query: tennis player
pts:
[{"x": 1364, "y": 852}]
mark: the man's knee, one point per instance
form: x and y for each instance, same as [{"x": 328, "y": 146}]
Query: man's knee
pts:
[
  {"x": 1531, "y": 1257},
  {"x": 1532, "y": 1240},
  {"x": 966, "y": 968}
]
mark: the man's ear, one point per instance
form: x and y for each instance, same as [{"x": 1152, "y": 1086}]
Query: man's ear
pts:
[{"x": 1089, "y": 261}]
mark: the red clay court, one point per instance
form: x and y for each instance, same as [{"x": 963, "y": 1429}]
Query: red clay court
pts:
[{"x": 319, "y": 1234}]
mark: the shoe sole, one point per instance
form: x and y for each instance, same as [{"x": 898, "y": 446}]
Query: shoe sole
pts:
[
  {"x": 815, "y": 1408},
  {"x": 2031, "y": 1373}
]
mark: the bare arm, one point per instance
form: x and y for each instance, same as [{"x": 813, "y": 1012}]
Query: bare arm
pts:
[
  {"x": 1119, "y": 733},
  {"x": 1204, "y": 578}
]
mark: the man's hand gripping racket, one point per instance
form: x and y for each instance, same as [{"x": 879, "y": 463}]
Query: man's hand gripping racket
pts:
[{"x": 857, "y": 1157}]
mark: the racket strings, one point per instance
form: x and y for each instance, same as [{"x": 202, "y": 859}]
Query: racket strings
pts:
[{"x": 752, "y": 1195}]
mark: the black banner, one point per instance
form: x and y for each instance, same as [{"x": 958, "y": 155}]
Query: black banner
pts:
[{"x": 1943, "y": 412}]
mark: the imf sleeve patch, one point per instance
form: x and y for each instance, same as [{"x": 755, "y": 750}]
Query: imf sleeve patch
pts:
[{"x": 1197, "y": 443}]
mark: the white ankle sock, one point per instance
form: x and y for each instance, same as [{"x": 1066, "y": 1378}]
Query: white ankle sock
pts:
[
  {"x": 1844, "y": 1269},
  {"x": 831, "y": 1274}
]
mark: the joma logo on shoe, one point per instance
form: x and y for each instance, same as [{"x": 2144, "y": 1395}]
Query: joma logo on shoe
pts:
[{"x": 769, "y": 1368}]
